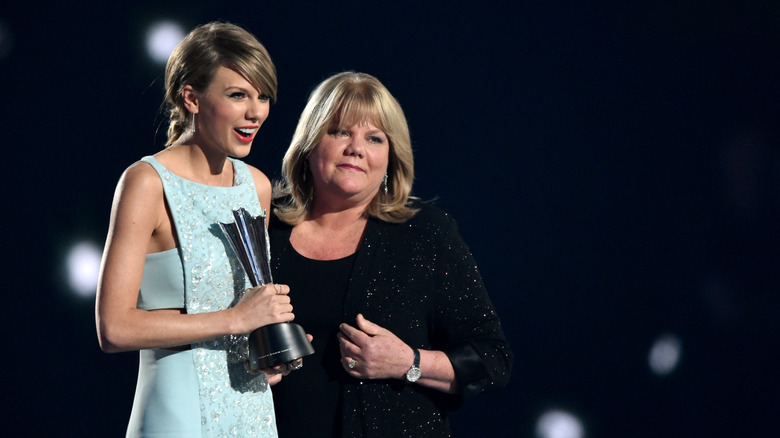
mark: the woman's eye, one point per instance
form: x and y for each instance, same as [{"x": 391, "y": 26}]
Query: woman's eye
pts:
[
  {"x": 264, "y": 97},
  {"x": 237, "y": 95},
  {"x": 377, "y": 140}
]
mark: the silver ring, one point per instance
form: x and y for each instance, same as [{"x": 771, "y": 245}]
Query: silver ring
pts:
[
  {"x": 296, "y": 365},
  {"x": 352, "y": 364}
]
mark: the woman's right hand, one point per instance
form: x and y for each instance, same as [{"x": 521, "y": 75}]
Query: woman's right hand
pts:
[{"x": 264, "y": 305}]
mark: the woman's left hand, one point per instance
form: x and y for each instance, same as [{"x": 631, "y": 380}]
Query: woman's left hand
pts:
[
  {"x": 273, "y": 379},
  {"x": 274, "y": 374},
  {"x": 373, "y": 351}
]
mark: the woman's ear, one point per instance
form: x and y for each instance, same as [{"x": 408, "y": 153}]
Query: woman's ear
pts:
[{"x": 190, "y": 98}]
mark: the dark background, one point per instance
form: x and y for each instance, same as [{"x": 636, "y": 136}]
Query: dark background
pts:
[{"x": 614, "y": 169}]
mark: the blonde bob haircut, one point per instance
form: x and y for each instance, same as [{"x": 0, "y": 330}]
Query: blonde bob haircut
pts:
[
  {"x": 196, "y": 59},
  {"x": 348, "y": 99}
]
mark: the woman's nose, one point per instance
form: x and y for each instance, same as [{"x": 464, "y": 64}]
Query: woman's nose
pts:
[
  {"x": 256, "y": 111},
  {"x": 355, "y": 147}
]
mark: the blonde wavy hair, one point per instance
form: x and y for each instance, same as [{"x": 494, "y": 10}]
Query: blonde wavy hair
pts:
[
  {"x": 348, "y": 98},
  {"x": 196, "y": 59}
]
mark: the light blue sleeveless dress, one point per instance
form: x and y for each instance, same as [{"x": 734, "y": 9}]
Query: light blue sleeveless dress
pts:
[{"x": 204, "y": 391}]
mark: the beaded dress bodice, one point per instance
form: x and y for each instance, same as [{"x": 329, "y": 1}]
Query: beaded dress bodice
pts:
[{"x": 233, "y": 402}]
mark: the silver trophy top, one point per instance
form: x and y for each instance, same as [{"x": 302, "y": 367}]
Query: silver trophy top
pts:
[{"x": 248, "y": 237}]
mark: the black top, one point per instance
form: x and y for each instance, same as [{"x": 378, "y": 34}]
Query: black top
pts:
[
  {"x": 416, "y": 279},
  {"x": 320, "y": 315}
]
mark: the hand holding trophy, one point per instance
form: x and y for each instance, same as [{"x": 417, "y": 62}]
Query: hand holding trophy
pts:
[{"x": 274, "y": 344}]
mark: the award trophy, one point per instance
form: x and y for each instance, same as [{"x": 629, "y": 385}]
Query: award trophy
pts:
[{"x": 273, "y": 344}]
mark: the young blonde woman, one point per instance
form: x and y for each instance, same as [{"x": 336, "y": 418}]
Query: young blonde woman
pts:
[{"x": 169, "y": 286}]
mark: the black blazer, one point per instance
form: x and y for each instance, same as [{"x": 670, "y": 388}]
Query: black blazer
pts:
[{"x": 419, "y": 280}]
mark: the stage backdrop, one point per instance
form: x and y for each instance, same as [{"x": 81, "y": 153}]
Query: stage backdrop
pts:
[{"x": 614, "y": 170}]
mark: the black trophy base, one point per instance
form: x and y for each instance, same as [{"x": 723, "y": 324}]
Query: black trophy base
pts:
[{"x": 277, "y": 344}]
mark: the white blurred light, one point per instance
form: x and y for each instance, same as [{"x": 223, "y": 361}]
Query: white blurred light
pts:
[
  {"x": 559, "y": 424},
  {"x": 665, "y": 354},
  {"x": 83, "y": 264},
  {"x": 161, "y": 39}
]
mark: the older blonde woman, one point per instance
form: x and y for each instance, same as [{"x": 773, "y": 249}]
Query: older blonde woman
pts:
[{"x": 403, "y": 327}]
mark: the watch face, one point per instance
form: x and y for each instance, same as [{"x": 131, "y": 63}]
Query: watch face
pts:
[{"x": 413, "y": 374}]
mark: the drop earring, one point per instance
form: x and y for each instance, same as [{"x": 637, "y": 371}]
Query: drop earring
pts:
[{"x": 384, "y": 182}]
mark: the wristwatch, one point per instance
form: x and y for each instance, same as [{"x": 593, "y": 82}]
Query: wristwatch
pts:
[{"x": 414, "y": 372}]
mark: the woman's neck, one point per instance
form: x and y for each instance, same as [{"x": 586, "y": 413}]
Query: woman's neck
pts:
[
  {"x": 325, "y": 217},
  {"x": 329, "y": 235},
  {"x": 195, "y": 163}
]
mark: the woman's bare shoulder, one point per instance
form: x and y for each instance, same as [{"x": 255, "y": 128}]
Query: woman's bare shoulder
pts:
[
  {"x": 140, "y": 182},
  {"x": 262, "y": 183}
]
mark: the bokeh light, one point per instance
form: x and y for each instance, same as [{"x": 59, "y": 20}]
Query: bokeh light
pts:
[
  {"x": 83, "y": 265},
  {"x": 161, "y": 39},
  {"x": 665, "y": 354},
  {"x": 559, "y": 424}
]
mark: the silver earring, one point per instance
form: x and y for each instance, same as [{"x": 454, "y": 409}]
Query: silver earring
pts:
[
  {"x": 384, "y": 182},
  {"x": 191, "y": 128}
]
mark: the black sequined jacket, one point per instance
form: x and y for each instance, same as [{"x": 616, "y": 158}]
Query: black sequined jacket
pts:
[{"x": 419, "y": 280}]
